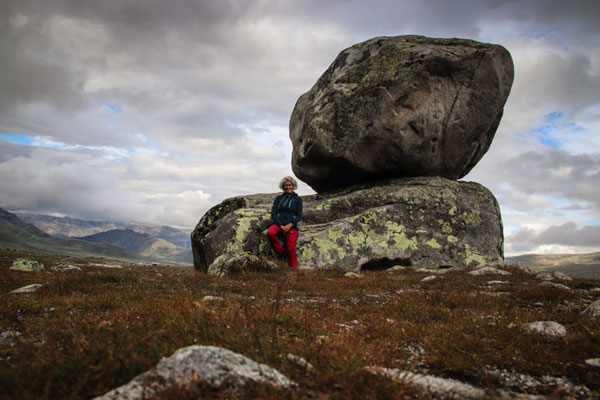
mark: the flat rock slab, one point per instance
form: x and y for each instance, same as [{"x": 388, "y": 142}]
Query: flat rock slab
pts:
[
  {"x": 399, "y": 107},
  {"x": 214, "y": 366},
  {"x": 489, "y": 271},
  {"x": 444, "y": 388},
  {"x": 425, "y": 222}
]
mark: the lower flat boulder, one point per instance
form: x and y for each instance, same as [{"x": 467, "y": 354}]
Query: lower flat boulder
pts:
[{"x": 421, "y": 222}]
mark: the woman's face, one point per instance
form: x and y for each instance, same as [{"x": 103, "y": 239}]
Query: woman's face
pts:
[{"x": 288, "y": 187}]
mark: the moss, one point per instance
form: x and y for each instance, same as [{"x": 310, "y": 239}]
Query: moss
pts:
[
  {"x": 452, "y": 239},
  {"x": 446, "y": 228},
  {"x": 397, "y": 232},
  {"x": 472, "y": 219},
  {"x": 433, "y": 243},
  {"x": 473, "y": 257},
  {"x": 334, "y": 235},
  {"x": 452, "y": 211}
]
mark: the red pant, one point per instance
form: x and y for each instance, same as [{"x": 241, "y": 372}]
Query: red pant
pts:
[{"x": 290, "y": 243}]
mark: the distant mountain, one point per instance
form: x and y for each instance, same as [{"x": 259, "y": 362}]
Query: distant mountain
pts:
[
  {"x": 16, "y": 234},
  {"x": 582, "y": 265},
  {"x": 65, "y": 227},
  {"x": 142, "y": 245}
]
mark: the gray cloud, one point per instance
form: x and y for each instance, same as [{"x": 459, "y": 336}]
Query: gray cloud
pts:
[
  {"x": 203, "y": 90},
  {"x": 567, "y": 234}
]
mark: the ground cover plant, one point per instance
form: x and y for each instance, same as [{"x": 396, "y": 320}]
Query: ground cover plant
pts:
[{"x": 86, "y": 332}]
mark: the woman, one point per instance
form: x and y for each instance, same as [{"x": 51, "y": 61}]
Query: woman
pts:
[{"x": 286, "y": 213}]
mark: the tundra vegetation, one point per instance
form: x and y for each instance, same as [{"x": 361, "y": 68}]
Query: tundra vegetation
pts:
[{"x": 87, "y": 331}]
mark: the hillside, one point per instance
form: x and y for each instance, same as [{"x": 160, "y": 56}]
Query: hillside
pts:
[
  {"x": 16, "y": 234},
  {"x": 582, "y": 265},
  {"x": 142, "y": 245},
  {"x": 64, "y": 227}
]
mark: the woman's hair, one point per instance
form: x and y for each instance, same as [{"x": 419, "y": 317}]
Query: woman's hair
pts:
[{"x": 288, "y": 179}]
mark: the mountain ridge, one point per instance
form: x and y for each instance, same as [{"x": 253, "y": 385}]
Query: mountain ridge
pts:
[{"x": 64, "y": 227}]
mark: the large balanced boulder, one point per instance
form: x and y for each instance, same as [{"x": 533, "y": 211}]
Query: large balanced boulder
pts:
[
  {"x": 425, "y": 222},
  {"x": 400, "y": 107}
]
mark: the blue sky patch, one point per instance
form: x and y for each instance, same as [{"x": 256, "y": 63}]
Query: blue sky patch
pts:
[
  {"x": 18, "y": 139},
  {"x": 117, "y": 108},
  {"x": 552, "y": 132}
]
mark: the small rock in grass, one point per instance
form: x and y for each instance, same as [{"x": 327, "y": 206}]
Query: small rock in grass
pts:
[
  {"x": 213, "y": 366},
  {"x": 117, "y": 266},
  {"x": 6, "y": 338},
  {"x": 27, "y": 289},
  {"x": 594, "y": 362},
  {"x": 397, "y": 268},
  {"x": 595, "y": 290},
  {"x": 555, "y": 285},
  {"x": 593, "y": 309},
  {"x": 299, "y": 361},
  {"x": 489, "y": 271},
  {"x": 547, "y": 328},
  {"x": 22, "y": 264},
  {"x": 65, "y": 268},
  {"x": 428, "y": 278},
  {"x": 497, "y": 282},
  {"x": 432, "y": 386},
  {"x": 352, "y": 275},
  {"x": 212, "y": 298}
]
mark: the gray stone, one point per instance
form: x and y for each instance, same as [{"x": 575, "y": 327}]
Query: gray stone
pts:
[
  {"x": 555, "y": 285},
  {"x": 444, "y": 388},
  {"x": 214, "y": 366},
  {"x": 27, "y": 289},
  {"x": 553, "y": 275},
  {"x": 425, "y": 222},
  {"x": 594, "y": 362},
  {"x": 547, "y": 328},
  {"x": 22, "y": 264},
  {"x": 7, "y": 338},
  {"x": 593, "y": 309},
  {"x": 352, "y": 275},
  {"x": 429, "y": 278},
  {"x": 399, "y": 107},
  {"x": 488, "y": 271},
  {"x": 299, "y": 361},
  {"x": 65, "y": 268},
  {"x": 246, "y": 263}
]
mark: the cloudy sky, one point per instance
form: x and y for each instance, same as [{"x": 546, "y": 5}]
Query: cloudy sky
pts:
[{"x": 153, "y": 111}]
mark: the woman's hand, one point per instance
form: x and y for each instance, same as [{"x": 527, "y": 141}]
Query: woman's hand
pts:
[{"x": 286, "y": 228}]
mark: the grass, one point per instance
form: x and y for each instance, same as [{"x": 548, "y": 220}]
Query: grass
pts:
[{"x": 87, "y": 332}]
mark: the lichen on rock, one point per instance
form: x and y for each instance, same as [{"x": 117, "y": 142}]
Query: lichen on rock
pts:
[{"x": 365, "y": 227}]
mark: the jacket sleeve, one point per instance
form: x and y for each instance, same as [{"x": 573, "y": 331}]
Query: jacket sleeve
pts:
[
  {"x": 298, "y": 212},
  {"x": 274, "y": 211}
]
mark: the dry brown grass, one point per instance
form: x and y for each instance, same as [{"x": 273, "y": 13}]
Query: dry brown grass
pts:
[{"x": 109, "y": 325}]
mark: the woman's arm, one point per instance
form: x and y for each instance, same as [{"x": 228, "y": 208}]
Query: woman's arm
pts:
[{"x": 274, "y": 212}]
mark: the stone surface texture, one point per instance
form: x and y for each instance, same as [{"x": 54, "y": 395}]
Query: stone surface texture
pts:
[
  {"x": 215, "y": 366},
  {"x": 424, "y": 222},
  {"x": 34, "y": 287},
  {"x": 444, "y": 388},
  {"x": 400, "y": 107},
  {"x": 22, "y": 264},
  {"x": 593, "y": 309},
  {"x": 547, "y": 328}
]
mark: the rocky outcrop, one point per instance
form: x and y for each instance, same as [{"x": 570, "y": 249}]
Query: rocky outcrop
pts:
[
  {"x": 424, "y": 222},
  {"x": 400, "y": 107}
]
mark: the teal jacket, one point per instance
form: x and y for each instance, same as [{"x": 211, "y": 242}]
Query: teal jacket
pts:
[{"x": 287, "y": 208}]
